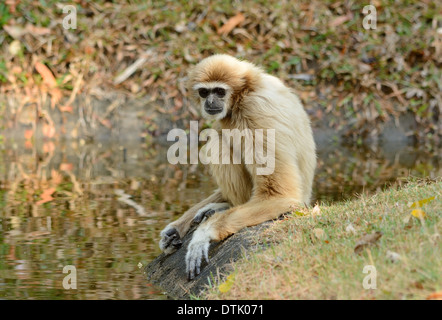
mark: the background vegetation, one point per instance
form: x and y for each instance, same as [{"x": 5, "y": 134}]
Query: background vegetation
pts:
[{"x": 350, "y": 79}]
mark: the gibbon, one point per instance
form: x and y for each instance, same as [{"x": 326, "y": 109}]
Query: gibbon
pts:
[{"x": 239, "y": 95}]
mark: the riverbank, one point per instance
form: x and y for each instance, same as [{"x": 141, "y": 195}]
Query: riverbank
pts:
[{"x": 322, "y": 253}]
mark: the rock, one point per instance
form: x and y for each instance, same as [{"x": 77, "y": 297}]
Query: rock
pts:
[{"x": 169, "y": 271}]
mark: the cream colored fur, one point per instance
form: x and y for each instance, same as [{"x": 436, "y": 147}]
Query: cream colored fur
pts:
[{"x": 256, "y": 101}]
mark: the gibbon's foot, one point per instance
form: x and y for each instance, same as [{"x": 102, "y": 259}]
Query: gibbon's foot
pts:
[
  {"x": 208, "y": 210},
  {"x": 170, "y": 240},
  {"x": 197, "y": 250}
]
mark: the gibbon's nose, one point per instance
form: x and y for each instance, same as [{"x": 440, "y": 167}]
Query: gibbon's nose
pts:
[
  {"x": 212, "y": 106},
  {"x": 210, "y": 100}
]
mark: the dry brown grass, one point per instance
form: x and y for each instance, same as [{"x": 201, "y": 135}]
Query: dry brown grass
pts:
[{"x": 312, "y": 256}]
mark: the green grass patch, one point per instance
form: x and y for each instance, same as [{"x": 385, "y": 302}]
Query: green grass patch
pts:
[{"x": 313, "y": 256}]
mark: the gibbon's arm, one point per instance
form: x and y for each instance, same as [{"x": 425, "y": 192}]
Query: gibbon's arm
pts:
[
  {"x": 221, "y": 225},
  {"x": 273, "y": 195},
  {"x": 174, "y": 231}
]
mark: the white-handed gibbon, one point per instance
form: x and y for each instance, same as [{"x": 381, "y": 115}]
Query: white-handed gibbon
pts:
[{"x": 239, "y": 95}]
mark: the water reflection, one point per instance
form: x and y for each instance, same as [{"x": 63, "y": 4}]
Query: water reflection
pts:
[{"x": 101, "y": 207}]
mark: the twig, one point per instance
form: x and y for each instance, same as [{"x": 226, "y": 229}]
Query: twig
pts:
[{"x": 133, "y": 67}]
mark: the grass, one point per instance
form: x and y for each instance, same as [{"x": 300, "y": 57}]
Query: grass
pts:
[{"x": 311, "y": 256}]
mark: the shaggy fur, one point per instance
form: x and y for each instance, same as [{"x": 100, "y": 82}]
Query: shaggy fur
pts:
[{"x": 255, "y": 100}]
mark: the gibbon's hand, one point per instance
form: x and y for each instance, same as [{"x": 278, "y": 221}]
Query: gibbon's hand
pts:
[
  {"x": 170, "y": 240},
  {"x": 203, "y": 214},
  {"x": 197, "y": 250},
  {"x": 208, "y": 211}
]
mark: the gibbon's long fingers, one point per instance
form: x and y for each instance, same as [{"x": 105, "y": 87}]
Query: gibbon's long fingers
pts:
[
  {"x": 207, "y": 211},
  {"x": 197, "y": 250},
  {"x": 249, "y": 214}
]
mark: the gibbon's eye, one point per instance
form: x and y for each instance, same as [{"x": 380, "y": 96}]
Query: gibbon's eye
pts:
[
  {"x": 203, "y": 92},
  {"x": 220, "y": 92}
]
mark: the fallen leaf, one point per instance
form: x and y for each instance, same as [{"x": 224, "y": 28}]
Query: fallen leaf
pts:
[
  {"x": 435, "y": 296},
  {"x": 420, "y": 203},
  {"x": 66, "y": 166},
  {"x": 46, "y": 196},
  {"x": 393, "y": 256},
  {"x": 48, "y": 130},
  {"x": 48, "y": 147},
  {"x": 37, "y": 31},
  {"x": 350, "y": 229},
  {"x": 227, "y": 285},
  {"x": 15, "y": 31},
  {"x": 340, "y": 20},
  {"x": 46, "y": 74},
  {"x": 367, "y": 240},
  {"x": 418, "y": 213},
  {"x": 316, "y": 210},
  {"x": 231, "y": 24},
  {"x": 49, "y": 80},
  {"x": 14, "y": 47},
  {"x": 29, "y": 134},
  {"x": 319, "y": 233},
  {"x": 66, "y": 109}
]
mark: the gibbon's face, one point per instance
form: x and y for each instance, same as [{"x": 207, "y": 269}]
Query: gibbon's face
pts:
[
  {"x": 219, "y": 82},
  {"x": 214, "y": 99}
]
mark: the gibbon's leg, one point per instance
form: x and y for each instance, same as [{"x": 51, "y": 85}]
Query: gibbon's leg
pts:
[
  {"x": 219, "y": 226},
  {"x": 174, "y": 231}
]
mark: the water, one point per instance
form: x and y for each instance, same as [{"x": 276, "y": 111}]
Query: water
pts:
[{"x": 110, "y": 202}]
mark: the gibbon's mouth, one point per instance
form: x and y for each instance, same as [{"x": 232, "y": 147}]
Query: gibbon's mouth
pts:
[{"x": 213, "y": 111}]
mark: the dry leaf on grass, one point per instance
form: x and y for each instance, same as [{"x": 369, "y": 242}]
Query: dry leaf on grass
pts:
[
  {"x": 393, "y": 256},
  {"x": 367, "y": 240},
  {"x": 418, "y": 213},
  {"x": 420, "y": 203},
  {"x": 316, "y": 211},
  {"x": 49, "y": 80},
  {"x": 340, "y": 20},
  {"x": 435, "y": 296},
  {"x": 226, "y": 285},
  {"x": 350, "y": 229},
  {"x": 319, "y": 233},
  {"x": 231, "y": 24}
]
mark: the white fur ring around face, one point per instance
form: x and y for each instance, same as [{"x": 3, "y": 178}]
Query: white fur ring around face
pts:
[{"x": 197, "y": 250}]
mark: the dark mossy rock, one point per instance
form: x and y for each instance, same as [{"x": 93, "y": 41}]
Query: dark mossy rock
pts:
[{"x": 168, "y": 272}]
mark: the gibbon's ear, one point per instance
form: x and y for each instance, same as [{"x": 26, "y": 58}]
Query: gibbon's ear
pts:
[{"x": 248, "y": 83}]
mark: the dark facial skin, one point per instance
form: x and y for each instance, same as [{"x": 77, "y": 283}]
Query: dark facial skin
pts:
[{"x": 214, "y": 99}]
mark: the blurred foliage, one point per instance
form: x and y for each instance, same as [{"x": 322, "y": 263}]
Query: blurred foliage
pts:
[{"x": 346, "y": 75}]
